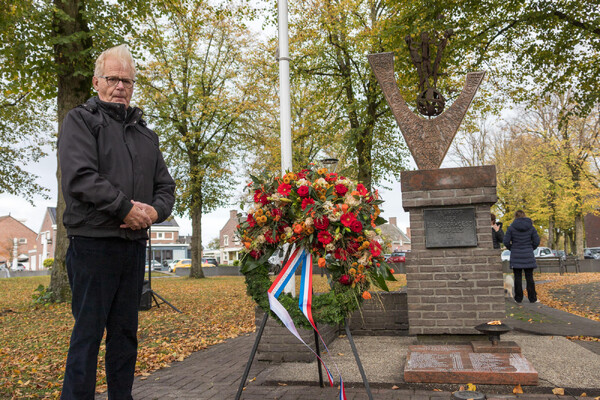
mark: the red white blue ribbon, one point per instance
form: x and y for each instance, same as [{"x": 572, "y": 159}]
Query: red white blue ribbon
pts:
[{"x": 299, "y": 257}]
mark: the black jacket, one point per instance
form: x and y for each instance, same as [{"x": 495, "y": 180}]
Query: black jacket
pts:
[
  {"x": 521, "y": 239},
  {"x": 497, "y": 236},
  {"x": 109, "y": 157}
]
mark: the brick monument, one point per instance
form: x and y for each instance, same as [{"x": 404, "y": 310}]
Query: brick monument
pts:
[
  {"x": 453, "y": 273},
  {"x": 454, "y": 276}
]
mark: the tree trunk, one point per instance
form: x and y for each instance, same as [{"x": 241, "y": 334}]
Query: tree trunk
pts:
[
  {"x": 551, "y": 233},
  {"x": 196, "y": 214},
  {"x": 74, "y": 67},
  {"x": 579, "y": 236}
]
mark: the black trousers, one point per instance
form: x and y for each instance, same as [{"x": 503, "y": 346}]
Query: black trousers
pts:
[
  {"x": 531, "y": 294},
  {"x": 106, "y": 277}
]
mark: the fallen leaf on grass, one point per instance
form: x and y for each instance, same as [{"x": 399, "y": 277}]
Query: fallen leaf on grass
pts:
[
  {"x": 252, "y": 380},
  {"x": 341, "y": 354},
  {"x": 559, "y": 391},
  {"x": 584, "y": 394},
  {"x": 282, "y": 384},
  {"x": 517, "y": 389},
  {"x": 471, "y": 387},
  {"x": 395, "y": 387}
]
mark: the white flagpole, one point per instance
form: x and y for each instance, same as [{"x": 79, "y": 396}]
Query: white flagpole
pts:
[{"x": 285, "y": 103}]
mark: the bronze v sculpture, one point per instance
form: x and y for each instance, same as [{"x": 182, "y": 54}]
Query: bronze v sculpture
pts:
[{"x": 428, "y": 139}]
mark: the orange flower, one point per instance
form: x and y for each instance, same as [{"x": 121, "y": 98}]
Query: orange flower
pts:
[
  {"x": 392, "y": 270},
  {"x": 344, "y": 207},
  {"x": 366, "y": 295},
  {"x": 297, "y": 228},
  {"x": 247, "y": 244},
  {"x": 322, "y": 262}
]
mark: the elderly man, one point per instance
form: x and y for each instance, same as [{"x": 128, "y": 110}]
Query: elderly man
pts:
[{"x": 115, "y": 185}]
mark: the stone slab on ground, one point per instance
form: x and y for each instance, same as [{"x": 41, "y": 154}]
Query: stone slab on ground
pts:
[
  {"x": 558, "y": 361},
  {"x": 459, "y": 364}
]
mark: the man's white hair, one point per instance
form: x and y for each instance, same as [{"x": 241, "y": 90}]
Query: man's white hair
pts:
[{"x": 120, "y": 53}]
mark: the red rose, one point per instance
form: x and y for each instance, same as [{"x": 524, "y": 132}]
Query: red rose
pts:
[
  {"x": 306, "y": 202},
  {"x": 261, "y": 197},
  {"x": 375, "y": 248},
  {"x": 303, "y": 191},
  {"x": 345, "y": 280},
  {"x": 255, "y": 254},
  {"x": 356, "y": 226},
  {"x": 251, "y": 220},
  {"x": 340, "y": 254},
  {"x": 346, "y": 219},
  {"x": 353, "y": 247},
  {"x": 341, "y": 189},
  {"x": 284, "y": 189},
  {"x": 321, "y": 223},
  {"x": 362, "y": 190},
  {"x": 325, "y": 237},
  {"x": 269, "y": 237}
]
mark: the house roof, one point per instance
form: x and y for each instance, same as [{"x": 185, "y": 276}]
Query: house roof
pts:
[
  {"x": 392, "y": 232},
  {"x": 52, "y": 212},
  {"x": 168, "y": 222}
]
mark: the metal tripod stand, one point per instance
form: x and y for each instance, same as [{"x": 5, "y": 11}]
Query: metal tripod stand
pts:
[{"x": 147, "y": 291}]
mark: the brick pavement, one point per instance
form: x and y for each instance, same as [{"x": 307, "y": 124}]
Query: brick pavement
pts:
[{"x": 214, "y": 373}]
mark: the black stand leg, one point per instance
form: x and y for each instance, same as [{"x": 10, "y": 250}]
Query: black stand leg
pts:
[
  {"x": 252, "y": 354},
  {"x": 358, "y": 363},
  {"x": 318, "y": 362},
  {"x": 155, "y": 295}
]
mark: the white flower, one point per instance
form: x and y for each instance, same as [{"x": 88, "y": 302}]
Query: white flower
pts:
[
  {"x": 364, "y": 258},
  {"x": 320, "y": 182},
  {"x": 260, "y": 239},
  {"x": 370, "y": 234},
  {"x": 288, "y": 231},
  {"x": 334, "y": 216},
  {"x": 350, "y": 200},
  {"x": 308, "y": 221},
  {"x": 302, "y": 182},
  {"x": 330, "y": 247}
]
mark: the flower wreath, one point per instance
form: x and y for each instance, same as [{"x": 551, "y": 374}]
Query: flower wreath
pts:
[{"x": 331, "y": 217}]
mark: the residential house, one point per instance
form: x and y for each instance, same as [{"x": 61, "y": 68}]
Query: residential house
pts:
[
  {"x": 15, "y": 235},
  {"x": 393, "y": 237},
  {"x": 230, "y": 244},
  {"x": 46, "y": 238},
  {"x": 166, "y": 243},
  {"x": 592, "y": 230}
]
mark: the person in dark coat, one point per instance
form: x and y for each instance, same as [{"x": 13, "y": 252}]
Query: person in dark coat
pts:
[
  {"x": 497, "y": 232},
  {"x": 522, "y": 239}
]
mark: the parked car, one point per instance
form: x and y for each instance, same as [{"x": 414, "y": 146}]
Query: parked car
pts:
[
  {"x": 210, "y": 260},
  {"x": 19, "y": 267},
  {"x": 592, "y": 253},
  {"x": 171, "y": 264},
  {"x": 505, "y": 256},
  {"x": 185, "y": 263},
  {"x": 559, "y": 253},
  {"x": 397, "y": 257},
  {"x": 542, "y": 252},
  {"x": 157, "y": 266}
]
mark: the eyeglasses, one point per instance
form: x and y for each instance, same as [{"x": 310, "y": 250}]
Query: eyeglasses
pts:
[{"x": 114, "y": 81}]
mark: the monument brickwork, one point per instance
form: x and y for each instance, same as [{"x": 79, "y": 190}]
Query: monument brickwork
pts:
[{"x": 454, "y": 276}]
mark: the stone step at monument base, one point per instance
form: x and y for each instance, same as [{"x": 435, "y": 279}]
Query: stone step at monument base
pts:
[{"x": 460, "y": 364}]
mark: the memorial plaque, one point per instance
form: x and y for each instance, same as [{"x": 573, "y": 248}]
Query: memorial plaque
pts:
[
  {"x": 459, "y": 364},
  {"x": 450, "y": 227}
]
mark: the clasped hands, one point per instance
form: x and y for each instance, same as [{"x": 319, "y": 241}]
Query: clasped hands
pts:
[{"x": 141, "y": 216}]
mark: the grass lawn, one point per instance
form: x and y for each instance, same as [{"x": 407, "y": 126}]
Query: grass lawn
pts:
[{"x": 34, "y": 339}]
